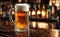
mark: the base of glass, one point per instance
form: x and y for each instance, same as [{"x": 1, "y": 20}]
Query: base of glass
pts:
[{"x": 18, "y": 30}]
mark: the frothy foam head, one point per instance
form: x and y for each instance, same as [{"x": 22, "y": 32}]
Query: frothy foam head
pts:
[{"x": 21, "y": 7}]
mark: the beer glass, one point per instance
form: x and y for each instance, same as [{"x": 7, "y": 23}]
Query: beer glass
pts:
[
  {"x": 21, "y": 22},
  {"x": 21, "y": 17}
]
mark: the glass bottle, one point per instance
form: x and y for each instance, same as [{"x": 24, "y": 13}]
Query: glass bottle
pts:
[
  {"x": 48, "y": 12},
  {"x": 52, "y": 13},
  {"x": 38, "y": 12},
  {"x": 43, "y": 14},
  {"x": 34, "y": 11}
]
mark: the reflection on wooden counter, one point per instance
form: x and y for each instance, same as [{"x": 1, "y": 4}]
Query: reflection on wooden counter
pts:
[
  {"x": 44, "y": 33},
  {"x": 21, "y": 34}
]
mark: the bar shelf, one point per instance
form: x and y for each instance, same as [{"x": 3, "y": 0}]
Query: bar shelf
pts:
[{"x": 42, "y": 20}]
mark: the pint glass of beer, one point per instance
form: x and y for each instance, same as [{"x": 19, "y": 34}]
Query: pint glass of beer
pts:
[{"x": 21, "y": 17}]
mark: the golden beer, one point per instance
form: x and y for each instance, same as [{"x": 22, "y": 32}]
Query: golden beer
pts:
[
  {"x": 21, "y": 20},
  {"x": 21, "y": 16}
]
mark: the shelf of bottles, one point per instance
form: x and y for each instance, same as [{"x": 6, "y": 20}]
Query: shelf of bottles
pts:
[
  {"x": 42, "y": 14},
  {"x": 5, "y": 6},
  {"x": 5, "y": 24},
  {"x": 43, "y": 18}
]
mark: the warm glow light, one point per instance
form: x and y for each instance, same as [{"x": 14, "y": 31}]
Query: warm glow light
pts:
[
  {"x": 13, "y": 12},
  {"x": 29, "y": 13},
  {"x": 50, "y": 3},
  {"x": 55, "y": 33},
  {"x": 42, "y": 25},
  {"x": 38, "y": 12},
  {"x": 43, "y": 14},
  {"x": 53, "y": 2},
  {"x": 47, "y": 15},
  {"x": 34, "y": 24},
  {"x": 19, "y": 0},
  {"x": 0, "y": 11},
  {"x": 53, "y": 11},
  {"x": 33, "y": 12},
  {"x": 57, "y": 3}
]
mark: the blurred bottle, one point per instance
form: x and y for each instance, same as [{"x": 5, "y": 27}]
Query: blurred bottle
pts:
[
  {"x": 33, "y": 14},
  {"x": 30, "y": 13},
  {"x": 48, "y": 14},
  {"x": 4, "y": 8},
  {"x": 52, "y": 13},
  {"x": 0, "y": 11},
  {"x": 38, "y": 11},
  {"x": 43, "y": 14},
  {"x": 34, "y": 11}
]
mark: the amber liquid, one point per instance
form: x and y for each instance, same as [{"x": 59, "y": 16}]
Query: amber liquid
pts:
[{"x": 21, "y": 20}]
